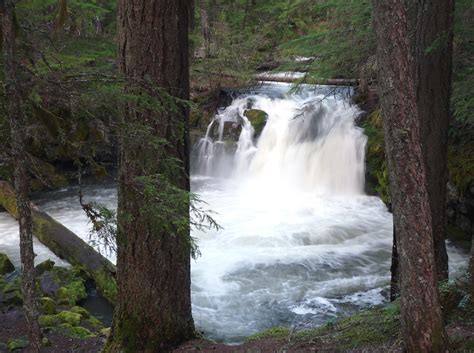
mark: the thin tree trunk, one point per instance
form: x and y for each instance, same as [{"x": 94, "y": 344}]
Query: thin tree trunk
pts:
[
  {"x": 432, "y": 24},
  {"x": 205, "y": 30},
  {"x": 192, "y": 26},
  {"x": 421, "y": 318},
  {"x": 153, "y": 311},
  {"x": 18, "y": 127}
]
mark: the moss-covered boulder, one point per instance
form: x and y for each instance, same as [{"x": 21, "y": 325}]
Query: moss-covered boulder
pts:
[
  {"x": 64, "y": 317},
  {"x": 41, "y": 268},
  {"x": 75, "y": 331},
  {"x": 15, "y": 344},
  {"x": 66, "y": 286},
  {"x": 72, "y": 292},
  {"x": 10, "y": 292},
  {"x": 6, "y": 265},
  {"x": 69, "y": 317},
  {"x": 81, "y": 311},
  {"x": 48, "y": 306},
  {"x": 258, "y": 119},
  {"x": 48, "y": 320}
]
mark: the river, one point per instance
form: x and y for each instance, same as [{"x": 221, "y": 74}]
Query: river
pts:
[{"x": 300, "y": 242}]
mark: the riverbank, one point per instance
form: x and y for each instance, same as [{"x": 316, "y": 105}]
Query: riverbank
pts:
[{"x": 372, "y": 330}]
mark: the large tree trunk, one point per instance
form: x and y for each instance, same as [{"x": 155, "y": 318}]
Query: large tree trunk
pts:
[
  {"x": 65, "y": 244},
  {"x": 153, "y": 311},
  {"x": 422, "y": 324},
  {"x": 18, "y": 127},
  {"x": 431, "y": 24}
]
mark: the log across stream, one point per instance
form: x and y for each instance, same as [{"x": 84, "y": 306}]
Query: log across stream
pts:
[{"x": 66, "y": 245}]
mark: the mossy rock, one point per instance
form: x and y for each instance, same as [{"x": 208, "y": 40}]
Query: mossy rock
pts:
[
  {"x": 72, "y": 292},
  {"x": 48, "y": 176},
  {"x": 48, "y": 320},
  {"x": 13, "y": 286},
  {"x": 81, "y": 311},
  {"x": 48, "y": 306},
  {"x": 75, "y": 331},
  {"x": 15, "y": 344},
  {"x": 69, "y": 317},
  {"x": 14, "y": 298},
  {"x": 41, "y": 268},
  {"x": 93, "y": 321},
  {"x": 6, "y": 265},
  {"x": 64, "y": 317},
  {"x": 258, "y": 119}
]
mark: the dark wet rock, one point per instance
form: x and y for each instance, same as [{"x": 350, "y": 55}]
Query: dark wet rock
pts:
[
  {"x": 43, "y": 267},
  {"x": 6, "y": 265},
  {"x": 49, "y": 283}
]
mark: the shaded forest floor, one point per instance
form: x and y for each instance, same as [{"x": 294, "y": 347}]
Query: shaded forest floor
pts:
[{"x": 372, "y": 330}]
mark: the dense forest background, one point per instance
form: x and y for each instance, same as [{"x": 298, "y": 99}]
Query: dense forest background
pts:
[{"x": 70, "y": 55}]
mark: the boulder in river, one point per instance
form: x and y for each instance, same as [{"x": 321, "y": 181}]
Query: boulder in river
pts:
[
  {"x": 6, "y": 265},
  {"x": 258, "y": 119}
]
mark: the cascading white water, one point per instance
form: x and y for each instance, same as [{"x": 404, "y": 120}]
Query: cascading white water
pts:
[
  {"x": 310, "y": 141},
  {"x": 300, "y": 243}
]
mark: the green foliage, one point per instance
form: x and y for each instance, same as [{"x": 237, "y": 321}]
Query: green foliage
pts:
[
  {"x": 274, "y": 333},
  {"x": 463, "y": 80},
  {"x": 15, "y": 344},
  {"x": 377, "y": 171},
  {"x": 461, "y": 157}
]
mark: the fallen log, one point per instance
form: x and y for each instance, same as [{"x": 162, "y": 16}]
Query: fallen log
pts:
[
  {"x": 306, "y": 80},
  {"x": 65, "y": 244},
  {"x": 276, "y": 77}
]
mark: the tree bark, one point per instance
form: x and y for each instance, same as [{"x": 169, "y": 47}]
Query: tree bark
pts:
[
  {"x": 432, "y": 46},
  {"x": 205, "y": 30},
  {"x": 153, "y": 311},
  {"x": 65, "y": 244},
  {"x": 394, "y": 270},
  {"x": 421, "y": 318},
  {"x": 18, "y": 128}
]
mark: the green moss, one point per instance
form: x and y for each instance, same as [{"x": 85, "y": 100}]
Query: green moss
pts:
[
  {"x": 13, "y": 286},
  {"x": 370, "y": 327},
  {"x": 94, "y": 322},
  {"x": 74, "y": 331},
  {"x": 64, "y": 317},
  {"x": 81, "y": 311},
  {"x": 48, "y": 320},
  {"x": 106, "y": 285},
  {"x": 377, "y": 179},
  {"x": 17, "y": 343},
  {"x": 43, "y": 267},
  {"x": 5, "y": 265},
  {"x": 274, "y": 333},
  {"x": 258, "y": 119},
  {"x": 72, "y": 292},
  {"x": 48, "y": 306},
  {"x": 69, "y": 317},
  {"x": 80, "y": 332}
]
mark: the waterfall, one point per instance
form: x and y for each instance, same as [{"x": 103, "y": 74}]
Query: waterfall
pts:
[
  {"x": 310, "y": 140},
  {"x": 301, "y": 242}
]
